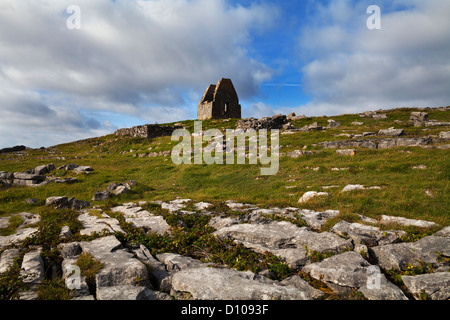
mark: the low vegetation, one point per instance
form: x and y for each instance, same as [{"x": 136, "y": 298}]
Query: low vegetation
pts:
[{"x": 403, "y": 192}]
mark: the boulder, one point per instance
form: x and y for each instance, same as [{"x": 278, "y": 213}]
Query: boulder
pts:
[
  {"x": 76, "y": 204},
  {"x": 418, "y": 118},
  {"x": 333, "y": 124},
  {"x": 60, "y": 202},
  {"x": 307, "y": 196},
  {"x": 100, "y": 196},
  {"x": 57, "y": 202},
  {"x": 349, "y": 271},
  {"x": 44, "y": 169},
  {"x": 432, "y": 286}
]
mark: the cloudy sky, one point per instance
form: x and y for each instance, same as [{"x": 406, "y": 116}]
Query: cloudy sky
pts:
[{"x": 135, "y": 62}]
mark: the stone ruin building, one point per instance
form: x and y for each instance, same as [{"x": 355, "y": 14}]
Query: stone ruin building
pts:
[
  {"x": 219, "y": 102},
  {"x": 147, "y": 131}
]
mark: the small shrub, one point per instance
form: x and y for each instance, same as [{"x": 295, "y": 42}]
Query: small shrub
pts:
[{"x": 89, "y": 267}]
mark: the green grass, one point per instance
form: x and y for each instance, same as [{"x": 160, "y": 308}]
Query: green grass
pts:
[
  {"x": 402, "y": 191},
  {"x": 402, "y": 194}
]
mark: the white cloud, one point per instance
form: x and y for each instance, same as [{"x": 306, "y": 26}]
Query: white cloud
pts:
[
  {"x": 352, "y": 69},
  {"x": 130, "y": 57}
]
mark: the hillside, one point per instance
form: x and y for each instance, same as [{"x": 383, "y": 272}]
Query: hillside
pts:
[{"x": 408, "y": 179}]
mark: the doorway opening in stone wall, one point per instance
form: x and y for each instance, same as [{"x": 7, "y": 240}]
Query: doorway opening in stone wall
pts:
[{"x": 226, "y": 110}]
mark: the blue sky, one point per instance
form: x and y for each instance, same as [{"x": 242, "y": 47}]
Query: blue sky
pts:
[{"x": 136, "y": 62}]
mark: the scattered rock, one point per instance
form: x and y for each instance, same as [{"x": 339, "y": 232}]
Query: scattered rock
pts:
[
  {"x": 44, "y": 169},
  {"x": 351, "y": 187},
  {"x": 307, "y": 196},
  {"x": 13, "y": 149},
  {"x": 275, "y": 122},
  {"x": 404, "y": 142},
  {"x": 100, "y": 196},
  {"x": 377, "y": 143},
  {"x": 333, "y": 124},
  {"x": 65, "y": 233},
  {"x": 445, "y": 135},
  {"x": 68, "y": 167},
  {"x": 357, "y": 123},
  {"x": 379, "y": 116},
  {"x": 292, "y": 116},
  {"x": 420, "y": 167},
  {"x": 298, "y": 153},
  {"x": 407, "y": 222},
  {"x": 391, "y": 132},
  {"x": 83, "y": 169},
  {"x": 313, "y": 126},
  {"x": 346, "y": 152},
  {"x": 60, "y": 202},
  {"x": 433, "y": 123}
]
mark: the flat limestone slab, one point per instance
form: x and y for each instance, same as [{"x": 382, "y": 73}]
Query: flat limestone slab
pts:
[
  {"x": 350, "y": 270},
  {"x": 226, "y": 284},
  {"x": 285, "y": 239}
]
